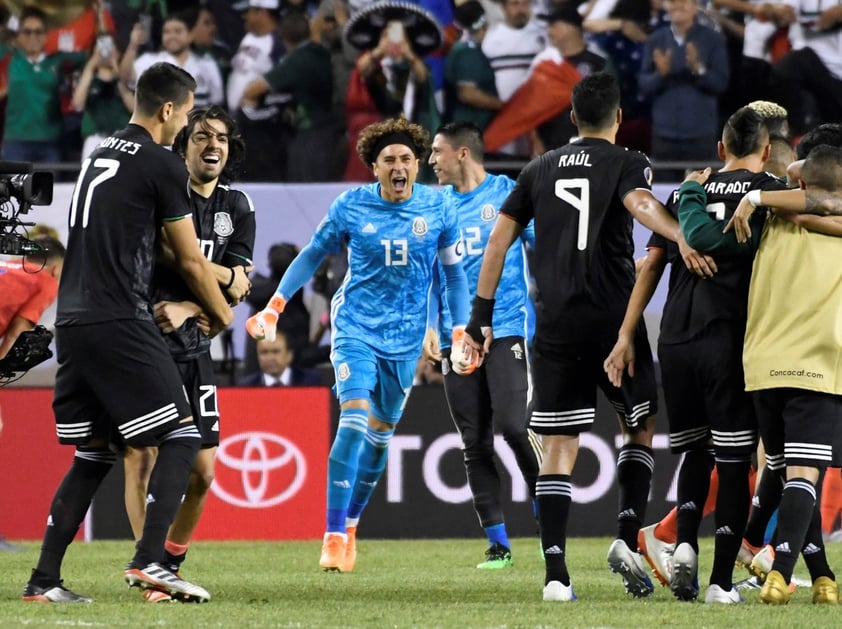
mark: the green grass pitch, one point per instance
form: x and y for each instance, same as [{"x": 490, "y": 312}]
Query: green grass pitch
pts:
[{"x": 397, "y": 583}]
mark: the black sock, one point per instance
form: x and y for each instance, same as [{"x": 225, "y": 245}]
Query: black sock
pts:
[
  {"x": 553, "y": 494},
  {"x": 732, "y": 505},
  {"x": 166, "y": 489},
  {"x": 797, "y": 505},
  {"x": 814, "y": 553},
  {"x": 634, "y": 479},
  {"x": 70, "y": 504},
  {"x": 693, "y": 487},
  {"x": 173, "y": 562},
  {"x": 767, "y": 497}
]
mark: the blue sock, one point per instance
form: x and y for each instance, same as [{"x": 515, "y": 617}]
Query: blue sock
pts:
[
  {"x": 497, "y": 534},
  {"x": 342, "y": 466},
  {"x": 770, "y": 528},
  {"x": 372, "y": 463}
]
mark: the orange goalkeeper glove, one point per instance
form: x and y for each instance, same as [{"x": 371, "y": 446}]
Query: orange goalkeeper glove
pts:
[{"x": 262, "y": 326}]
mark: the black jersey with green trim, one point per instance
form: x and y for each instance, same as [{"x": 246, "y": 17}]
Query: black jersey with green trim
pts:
[
  {"x": 692, "y": 302},
  {"x": 126, "y": 189},
  {"x": 583, "y": 258},
  {"x": 225, "y": 228}
]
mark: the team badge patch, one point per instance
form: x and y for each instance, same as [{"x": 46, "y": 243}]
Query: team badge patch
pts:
[
  {"x": 343, "y": 372},
  {"x": 222, "y": 225},
  {"x": 419, "y": 226},
  {"x": 488, "y": 213}
]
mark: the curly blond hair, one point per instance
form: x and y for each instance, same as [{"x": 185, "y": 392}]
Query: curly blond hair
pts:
[
  {"x": 767, "y": 109},
  {"x": 371, "y": 134}
]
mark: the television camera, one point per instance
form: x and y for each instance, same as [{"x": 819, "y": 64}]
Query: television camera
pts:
[{"x": 21, "y": 187}]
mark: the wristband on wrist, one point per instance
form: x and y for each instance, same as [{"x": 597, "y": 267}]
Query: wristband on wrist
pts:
[
  {"x": 231, "y": 281},
  {"x": 754, "y": 198},
  {"x": 482, "y": 311}
]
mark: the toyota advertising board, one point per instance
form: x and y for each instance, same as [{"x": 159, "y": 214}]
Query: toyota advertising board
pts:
[{"x": 272, "y": 464}]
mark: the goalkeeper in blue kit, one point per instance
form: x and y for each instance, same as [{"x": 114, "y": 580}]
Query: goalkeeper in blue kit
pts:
[{"x": 395, "y": 230}]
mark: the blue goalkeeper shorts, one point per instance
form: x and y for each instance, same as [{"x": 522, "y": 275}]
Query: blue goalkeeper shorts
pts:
[{"x": 388, "y": 381}]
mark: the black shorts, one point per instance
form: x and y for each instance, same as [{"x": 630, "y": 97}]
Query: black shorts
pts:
[
  {"x": 198, "y": 379},
  {"x": 704, "y": 392},
  {"x": 798, "y": 427},
  {"x": 565, "y": 380},
  {"x": 116, "y": 381},
  {"x": 494, "y": 397}
]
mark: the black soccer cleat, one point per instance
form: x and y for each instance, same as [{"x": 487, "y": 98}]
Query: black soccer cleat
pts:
[{"x": 52, "y": 594}]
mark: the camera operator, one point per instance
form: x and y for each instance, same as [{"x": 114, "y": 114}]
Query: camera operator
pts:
[{"x": 28, "y": 289}]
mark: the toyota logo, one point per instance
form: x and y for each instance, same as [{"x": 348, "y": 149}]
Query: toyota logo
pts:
[{"x": 258, "y": 470}]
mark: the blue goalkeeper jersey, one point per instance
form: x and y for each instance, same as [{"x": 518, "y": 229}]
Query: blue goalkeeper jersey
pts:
[
  {"x": 392, "y": 250},
  {"x": 477, "y": 212}
]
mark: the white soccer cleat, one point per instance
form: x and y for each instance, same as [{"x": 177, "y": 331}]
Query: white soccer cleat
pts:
[
  {"x": 556, "y": 591},
  {"x": 761, "y": 564},
  {"x": 685, "y": 573},
  {"x": 657, "y": 553},
  {"x": 629, "y": 565},
  {"x": 716, "y": 594},
  {"x": 155, "y": 576}
]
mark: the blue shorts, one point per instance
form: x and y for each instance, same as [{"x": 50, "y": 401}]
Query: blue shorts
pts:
[{"x": 388, "y": 381}]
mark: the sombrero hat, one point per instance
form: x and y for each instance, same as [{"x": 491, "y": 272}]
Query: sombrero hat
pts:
[{"x": 422, "y": 30}]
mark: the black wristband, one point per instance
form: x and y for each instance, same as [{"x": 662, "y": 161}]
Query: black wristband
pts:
[
  {"x": 231, "y": 281},
  {"x": 482, "y": 311}
]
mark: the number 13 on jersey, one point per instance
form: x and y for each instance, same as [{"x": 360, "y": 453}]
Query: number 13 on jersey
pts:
[{"x": 564, "y": 190}]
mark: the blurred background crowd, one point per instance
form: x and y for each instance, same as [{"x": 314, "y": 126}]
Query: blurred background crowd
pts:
[{"x": 304, "y": 76}]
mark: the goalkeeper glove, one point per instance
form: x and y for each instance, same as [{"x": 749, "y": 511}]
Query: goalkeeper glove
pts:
[
  {"x": 463, "y": 359},
  {"x": 262, "y": 326}
]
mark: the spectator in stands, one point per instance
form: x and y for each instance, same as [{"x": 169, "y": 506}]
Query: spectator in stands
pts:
[
  {"x": 205, "y": 43},
  {"x": 33, "y": 124},
  {"x": 304, "y": 77},
  {"x": 276, "y": 366},
  {"x": 175, "y": 49},
  {"x": 261, "y": 126},
  {"x": 685, "y": 69},
  {"x": 104, "y": 100},
  {"x": 326, "y": 29},
  {"x": 258, "y": 52},
  {"x": 510, "y": 47},
  {"x": 387, "y": 80},
  {"x": 470, "y": 91},
  {"x": 567, "y": 44},
  {"x": 622, "y": 33},
  {"x": 813, "y": 68},
  {"x": 765, "y": 40}
]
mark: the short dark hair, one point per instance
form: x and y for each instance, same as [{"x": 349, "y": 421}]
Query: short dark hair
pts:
[
  {"x": 162, "y": 83},
  {"x": 829, "y": 133},
  {"x": 188, "y": 17},
  {"x": 596, "y": 99},
  {"x": 30, "y": 12},
  {"x": 823, "y": 168},
  {"x": 464, "y": 133},
  {"x": 236, "y": 145},
  {"x": 745, "y": 132},
  {"x": 294, "y": 27}
]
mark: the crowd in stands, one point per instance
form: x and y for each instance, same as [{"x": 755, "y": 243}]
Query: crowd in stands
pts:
[{"x": 301, "y": 91}]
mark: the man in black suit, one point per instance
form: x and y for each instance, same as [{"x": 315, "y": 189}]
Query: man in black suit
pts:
[{"x": 275, "y": 359}]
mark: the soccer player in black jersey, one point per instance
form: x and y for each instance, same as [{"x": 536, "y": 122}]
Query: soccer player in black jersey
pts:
[
  {"x": 116, "y": 379},
  {"x": 224, "y": 219},
  {"x": 582, "y": 197},
  {"x": 700, "y": 351}
]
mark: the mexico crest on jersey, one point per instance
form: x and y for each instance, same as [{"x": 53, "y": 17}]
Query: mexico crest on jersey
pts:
[
  {"x": 419, "y": 226},
  {"x": 487, "y": 213},
  {"x": 222, "y": 224}
]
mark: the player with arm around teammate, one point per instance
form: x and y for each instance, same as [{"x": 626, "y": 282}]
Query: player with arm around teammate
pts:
[
  {"x": 395, "y": 230},
  {"x": 495, "y": 394},
  {"x": 115, "y": 373},
  {"x": 224, "y": 219},
  {"x": 582, "y": 197}
]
